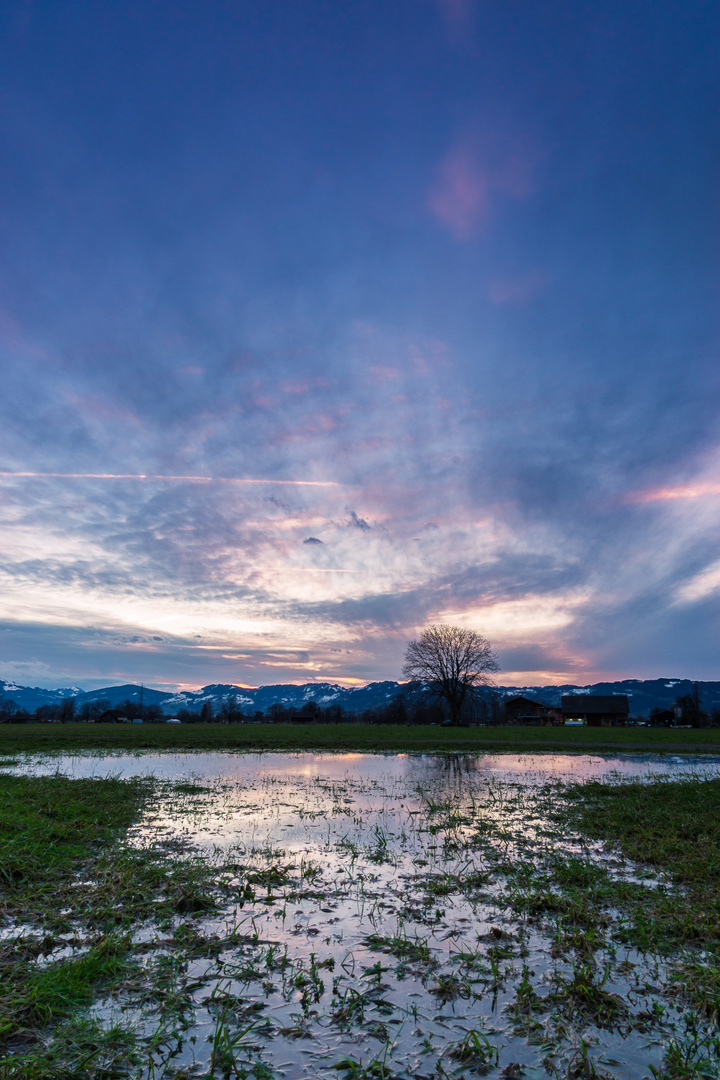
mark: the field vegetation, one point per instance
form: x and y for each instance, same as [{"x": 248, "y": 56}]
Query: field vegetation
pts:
[
  {"x": 440, "y": 925},
  {"x": 350, "y": 736}
]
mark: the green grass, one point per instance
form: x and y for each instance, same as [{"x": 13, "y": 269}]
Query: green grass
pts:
[
  {"x": 64, "y": 870},
  {"x": 62, "y": 863},
  {"x": 672, "y": 826},
  {"x": 56, "y": 836},
  {"x": 50, "y": 829},
  {"x": 370, "y": 737},
  {"x": 62, "y": 987}
]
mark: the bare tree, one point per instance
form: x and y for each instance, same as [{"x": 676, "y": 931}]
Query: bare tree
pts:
[
  {"x": 91, "y": 711},
  {"x": 230, "y": 712},
  {"x": 453, "y": 663},
  {"x": 8, "y": 708}
]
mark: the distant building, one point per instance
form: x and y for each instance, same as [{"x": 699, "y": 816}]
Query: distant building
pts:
[
  {"x": 111, "y": 716},
  {"x": 300, "y": 718},
  {"x": 522, "y": 710},
  {"x": 596, "y": 710}
]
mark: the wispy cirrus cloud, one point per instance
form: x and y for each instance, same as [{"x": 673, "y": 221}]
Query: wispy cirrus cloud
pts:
[{"x": 693, "y": 490}]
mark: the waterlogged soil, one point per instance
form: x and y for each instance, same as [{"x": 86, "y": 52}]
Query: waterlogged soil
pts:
[{"x": 382, "y": 916}]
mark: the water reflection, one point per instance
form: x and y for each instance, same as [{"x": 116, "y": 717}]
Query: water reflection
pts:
[
  {"x": 372, "y": 914},
  {"x": 524, "y": 769}
]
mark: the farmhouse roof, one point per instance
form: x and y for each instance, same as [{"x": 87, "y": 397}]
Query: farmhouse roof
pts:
[{"x": 521, "y": 703}]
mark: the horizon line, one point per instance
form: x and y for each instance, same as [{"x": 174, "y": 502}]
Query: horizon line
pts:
[{"x": 359, "y": 685}]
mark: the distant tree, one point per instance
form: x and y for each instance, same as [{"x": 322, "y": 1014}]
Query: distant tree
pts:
[
  {"x": 91, "y": 711},
  {"x": 488, "y": 706},
  {"x": 451, "y": 663},
  {"x": 230, "y": 712},
  {"x": 426, "y": 711},
  {"x": 396, "y": 710},
  {"x": 691, "y": 711},
  {"x": 206, "y": 713},
  {"x": 66, "y": 711},
  {"x": 153, "y": 714},
  {"x": 133, "y": 710},
  {"x": 334, "y": 714},
  {"x": 48, "y": 713},
  {"x": 188, "y": 716},
  {"x": 8, "y": 709}
]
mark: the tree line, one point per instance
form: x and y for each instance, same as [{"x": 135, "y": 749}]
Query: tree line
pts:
[
  {"x": 89, "y": 712},
  {"x": 411, "y": 706}
]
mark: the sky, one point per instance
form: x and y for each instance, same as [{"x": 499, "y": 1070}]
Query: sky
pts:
[{"x": 321, "y": 323}]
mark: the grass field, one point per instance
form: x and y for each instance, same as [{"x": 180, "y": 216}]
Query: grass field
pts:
[{"x": 366, "y": 737}]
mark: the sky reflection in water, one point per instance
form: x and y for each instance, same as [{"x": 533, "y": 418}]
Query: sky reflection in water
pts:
[{"x": 377, "y": 849}]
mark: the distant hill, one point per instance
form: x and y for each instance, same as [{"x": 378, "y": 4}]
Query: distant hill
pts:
[
  {"x": 644, "y": 694},
  {"x": 31, "y": 697}
]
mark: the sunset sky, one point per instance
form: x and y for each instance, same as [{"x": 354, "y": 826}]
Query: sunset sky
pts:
[{"x": 320, "y": 322}]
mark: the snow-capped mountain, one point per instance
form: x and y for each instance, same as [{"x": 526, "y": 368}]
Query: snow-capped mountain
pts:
[{"x": 644, "y": 695}]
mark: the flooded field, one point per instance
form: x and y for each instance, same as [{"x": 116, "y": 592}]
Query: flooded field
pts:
[{"x": 369, "y": 916}]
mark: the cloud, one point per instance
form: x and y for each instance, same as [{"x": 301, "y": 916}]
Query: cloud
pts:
[
  {"x": 699, "y": 586},
  {"x": 461, "y": 198},
  {"x": 358, "y": 522},
  {"x": 698, "y": 490},
  {"x": 210, "y": 359},
  {"x": 473, "y": 178}
]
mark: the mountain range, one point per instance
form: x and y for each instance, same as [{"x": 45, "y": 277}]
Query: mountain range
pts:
[{"x": 644, "y": 694}]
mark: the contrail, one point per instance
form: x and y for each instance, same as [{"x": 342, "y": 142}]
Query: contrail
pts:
[{"x": 161, "y": 478}]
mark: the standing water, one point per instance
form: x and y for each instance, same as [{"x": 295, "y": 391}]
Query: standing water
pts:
[{"x": 379, "y": 917}]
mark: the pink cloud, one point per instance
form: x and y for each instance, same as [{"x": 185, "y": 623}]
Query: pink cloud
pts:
[
  {"x": 471, "y": 177},
  {"x": 461, "y": 198},
  {"x": 669, "y": 494}
]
